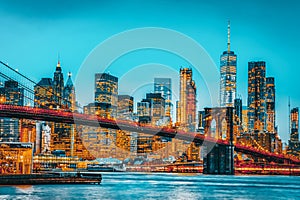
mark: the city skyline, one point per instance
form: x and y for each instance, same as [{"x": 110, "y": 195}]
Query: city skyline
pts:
[
  {"x": 209, "y": 32},
  {"x": 153, "y": 99}
]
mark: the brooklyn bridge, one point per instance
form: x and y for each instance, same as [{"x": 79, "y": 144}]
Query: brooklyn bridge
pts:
[{"x": 223, "y": 153}]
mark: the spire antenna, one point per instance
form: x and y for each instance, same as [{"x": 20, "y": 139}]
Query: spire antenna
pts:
[
  {"x": 289, "y": 105},
  {"x": 228, "y": 37},
  {"x": 58, "y": 58}
]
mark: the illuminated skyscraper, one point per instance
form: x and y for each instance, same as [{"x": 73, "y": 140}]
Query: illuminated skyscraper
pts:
[
  {"x": 238, "y": 110},
  {"x": 61, "y": 137},
  {"x": 187, "y": 101},
  {"x": 257, "y": 96},
  {"x": 294, "y": 124},
  {"x": 294, "y": 144},
  {"x": 143, "y": 112},
  {"x": 69, "y": 94},
  {"x": 13, "y": 95},
  {"x": 106, "y": 94},
  {"x": 228, "y": 75},
  {"x": 43, "y": 94},
  {"x": 157, "y": 107},
  {"x": 245, "y": 118},
  {"x": 125, "y": 107},
  {"x": 164, "y": 86},
  {"x": 58, "y": 85},
  {"x": 270, "y": 103}
]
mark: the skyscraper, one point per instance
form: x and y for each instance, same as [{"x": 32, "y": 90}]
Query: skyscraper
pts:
[
  {"x": 106, "y": 94},
  {"x": 61, "y": 137},
  {"x": 238, "y": 110},
  {"x": 201, "y": 121},
  {"x": 157, "y": 107},
  {"x": 187, "y": 101},
  {"x": 256, "y": 96},
  {"x": 228, "y": 75},
  {"x": 58, "y": 85},
  {"x": 270, "y": 103},
  {"x": 125, "y": 107},
  {"x": 294, "y": 144},
  {"x": 143, "y": 112},
  {"x": 13, "y": 95},
  {"x": 43, "y": 93},
  {"x": 294, "y": 124},
  {"x": 164, "y": 86},
  {"x": 69, "y": 94}
]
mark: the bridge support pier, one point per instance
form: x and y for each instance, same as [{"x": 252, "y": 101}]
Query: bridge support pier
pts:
[{"x": 220, "y": 160}]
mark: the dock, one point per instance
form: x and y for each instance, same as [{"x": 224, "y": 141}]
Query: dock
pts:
[{"x": 50, "y": 178}]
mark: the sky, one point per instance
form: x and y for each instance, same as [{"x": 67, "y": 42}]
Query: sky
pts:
[{"x": 34, "y": 32}]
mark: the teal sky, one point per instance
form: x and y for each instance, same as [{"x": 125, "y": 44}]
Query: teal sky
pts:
[{"x": 34, "y": 32}]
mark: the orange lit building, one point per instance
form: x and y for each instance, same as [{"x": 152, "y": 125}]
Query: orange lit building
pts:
[
  {"x": 15, "y": 158},
  {"x": 186, "y": 107}
]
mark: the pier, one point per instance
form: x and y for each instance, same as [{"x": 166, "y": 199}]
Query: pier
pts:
[{"x": 51, "y": 178}]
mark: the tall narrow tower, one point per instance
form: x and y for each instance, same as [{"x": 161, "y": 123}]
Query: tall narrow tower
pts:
[
  {"x": 69, "y": 94},
  {"x": 58, "y": 85},
  {"x": 294, "y": 143},
  {"x": 227, "y": 75},
  {"x": 187, "y": 100},
  {"x": 164, "y": 86},
  {"x": 270, "y": 103},
  {"x": 257, "y": 96}
]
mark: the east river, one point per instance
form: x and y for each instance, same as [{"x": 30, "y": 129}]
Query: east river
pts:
[{"x": 165, "y": 186}]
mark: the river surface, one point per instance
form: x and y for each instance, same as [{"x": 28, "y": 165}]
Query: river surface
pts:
[{"x": 165, "y": 186}]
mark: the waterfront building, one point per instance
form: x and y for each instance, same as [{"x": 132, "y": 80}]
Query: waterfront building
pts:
[
  {"x": 186, "y": 107},
  {"x": 58, "y": 159},
  {"x": 227, "y": 75},
  {"x": 15, "y": 158}
]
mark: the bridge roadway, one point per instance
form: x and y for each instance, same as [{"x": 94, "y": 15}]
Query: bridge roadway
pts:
[{"x": 61, "y": 116}]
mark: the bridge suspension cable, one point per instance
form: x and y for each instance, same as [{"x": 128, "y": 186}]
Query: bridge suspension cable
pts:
[{"x": 27, "y": 84}]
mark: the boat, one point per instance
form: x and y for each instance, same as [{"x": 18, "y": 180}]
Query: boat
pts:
[
  {"x": 51, "y": 178},
  {"x": 105, "y": 168}
]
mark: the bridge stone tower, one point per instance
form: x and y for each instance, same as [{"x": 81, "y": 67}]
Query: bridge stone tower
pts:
[{"x": 219, "y": 125}]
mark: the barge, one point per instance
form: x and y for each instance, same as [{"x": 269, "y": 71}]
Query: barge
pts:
[{"x": 51, "y": 178}]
